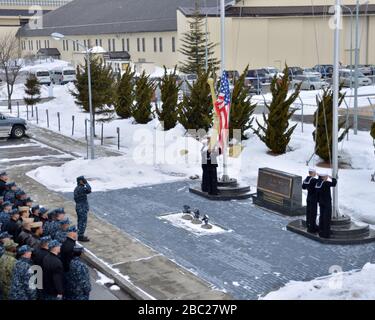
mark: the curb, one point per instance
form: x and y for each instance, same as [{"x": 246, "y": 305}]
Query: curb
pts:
[{"x": 119, "y": 279}]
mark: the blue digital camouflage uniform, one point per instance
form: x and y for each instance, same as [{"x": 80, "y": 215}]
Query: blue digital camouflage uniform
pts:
[
  {"x": 50, "y": 228},
  {"x": 60, "y": 236},
  {"x": 20, "y": 287},
  {"x": 77, "y": 281},
  {"x": 10, "y": 195},
  {"x": 4, "y": 217},
  {"x": 82, "y": 206}
]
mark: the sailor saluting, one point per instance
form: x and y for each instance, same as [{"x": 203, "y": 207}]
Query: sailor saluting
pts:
[{"x": 312, "y": 201}]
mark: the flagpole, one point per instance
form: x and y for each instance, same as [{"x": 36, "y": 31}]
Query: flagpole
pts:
[
  {"x": 335, "y": 164},
  {"x": 225, "y": 177}
]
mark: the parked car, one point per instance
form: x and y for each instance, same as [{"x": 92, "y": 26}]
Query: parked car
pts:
[
  {"x": 309, "y": 82},
  {"x": 294, "y": 71},
  {"x": 43, "y": 76},
  {"x": 255, "y": 80},
  {"x": 271, "y": 72},
  {"x": 14, "y": 127},
  {"x": 311, "y": 72},
  {"x": 347, "y": 78},
  {"x": 364, "y": 69},
  {"x": 326, "y": 70},
  {"x": 63, "y": 75},
  {"x": 233, "y": 75},
  {"x": 185, "y": 79}
]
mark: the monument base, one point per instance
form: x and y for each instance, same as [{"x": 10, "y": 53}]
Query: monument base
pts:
[
  {"x": 284, "y": 208},
  {"x": 228, "y": 190},
  {"x": 343, "y": 232}
]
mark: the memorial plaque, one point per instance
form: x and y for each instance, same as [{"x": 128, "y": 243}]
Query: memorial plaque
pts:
[{"x": 279, "y": 191}]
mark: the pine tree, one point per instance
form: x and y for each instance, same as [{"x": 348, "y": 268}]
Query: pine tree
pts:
[
  {"x": 169, "y": 88},
  {"x": 373, "y": 131},
  {"x": 194, "y": 46},
  {"x": 323, "y": 119},
  {"x": 241, "y": 108},
  {"x": 196, "y": 109},
  {"x": 275, "y": 132},
  {"x": 125, "y": 95},
  {"x": 142, "y": 110},
  {"x": 32, "y": 90},
  {"x": 103, "y": 90}
]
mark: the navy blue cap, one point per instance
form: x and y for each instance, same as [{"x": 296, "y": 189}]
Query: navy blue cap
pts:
[
  {"x": 59, "y": 211},
  {"x": 28, "y": 200},
  {"x": 13, "y": 212},
  {"x": 78, "y": 249},
  {"x": 71, "y": 229},
  {"x": 11, "y": 184},
  {"x": 3, "y": 173},
  {"x": 43, "y": 210},
  {"x": 64, "y": 221},
  {"x": 5, "y": 235},
  {"x": 7, "y": 204},
  {"x": 20, "y": 193},
  {"x": 45, "y": 239},
  {"x": 36, "y": 207},
  {"x": 53, "y": 244},
  {"x": 24, "y": 249}
]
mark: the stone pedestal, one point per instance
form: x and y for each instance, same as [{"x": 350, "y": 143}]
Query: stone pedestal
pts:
[
  {"x": 343, "y": 232},
  {"x": 280, "y": 192},
  {"x": 228, "y": 190}
]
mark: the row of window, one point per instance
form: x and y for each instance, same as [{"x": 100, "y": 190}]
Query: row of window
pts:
[
  {"x": 111, "y": 45},
  {"x": 30, "y": 44}
]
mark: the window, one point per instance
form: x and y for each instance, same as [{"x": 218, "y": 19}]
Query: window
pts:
[
  {"x": 123, "y": 44},
  {"x": 143, "y": 44},
  {"x": 114, "y": 45},
  {"x": 89, "y": 43},
  {"x": 40, "y": 43},
  {"x": 161, "y": 44},
  {"x": 128, "y": 44},
  {"x": 138, "y": 45},
  {"x": 101, "y": 42},
  {"x": 64, "y": 45},
  {"x": 155, "y": 45},
  {"x": 84, "y": 43},
  {"x": 96, "y": 42},
  {"x": 109, "y": 45},
  {"x": 173, "y": 44},
  {"x": 32, "y": 45},
  {"x": 48, "y": 44}
]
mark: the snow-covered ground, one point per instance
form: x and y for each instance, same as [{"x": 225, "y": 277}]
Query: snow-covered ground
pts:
[{"x": 354, "y": 285}]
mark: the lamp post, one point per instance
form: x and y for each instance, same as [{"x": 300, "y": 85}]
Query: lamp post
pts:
[
  {"x": 59, "y": 36},
  {"x": 351, "y": 45},
  {"x": 356, "y": 73}
]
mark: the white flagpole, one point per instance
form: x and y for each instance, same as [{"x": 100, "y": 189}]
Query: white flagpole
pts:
[
  {"x": 335, "y": 164},
  {"x": 226, "y": 137}
]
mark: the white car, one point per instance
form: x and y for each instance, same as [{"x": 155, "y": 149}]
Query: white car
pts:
[
  {"x": 63, "y": 75},
  {"x": 43, "y": 76},
  {"x": 271, "y": 72},
  {"x": 347, "y": 78},
  {"x": 309, "y": 83},
  {"x": 311, "y": 72}
]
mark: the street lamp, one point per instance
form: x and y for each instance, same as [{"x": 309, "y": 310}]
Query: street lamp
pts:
[
  {"x": 356, "y": 75},
  {"x": 351, "y": 45},
  {"x": 58, "y": 36}
]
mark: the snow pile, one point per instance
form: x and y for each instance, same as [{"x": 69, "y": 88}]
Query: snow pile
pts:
[
  {"x": 19, "y": 93},
  {"x": 103, "y": 279},
  {"x": 48, "y": 64},
  {"x": 177, "y": 221},
  {"x": 339, "y": 286}
]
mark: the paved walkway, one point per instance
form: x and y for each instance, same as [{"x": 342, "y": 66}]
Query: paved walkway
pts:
[{"x": 258, "y": 256}]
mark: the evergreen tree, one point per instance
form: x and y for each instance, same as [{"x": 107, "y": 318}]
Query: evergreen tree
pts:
[
  {"x": 142, "y": 110},
  {"x": 32, "y": 90},
  {"x": 169, "y": 88},
  {"x": 103, "y": 90},
  {"x": 373, "y": 131},
  {"x": 275, "y": 132},
  {"x": 241, "y": 108},
  {"x": 323, "y": 119},
  {"x": 194, "y": 46},
  {"x": 196, "y": 109},
  {"x": 125, "y": 95}
]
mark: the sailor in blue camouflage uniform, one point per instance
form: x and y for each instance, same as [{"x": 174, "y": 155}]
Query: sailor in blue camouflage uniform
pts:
[
  {"x": 77, "y": 279},
  {"x": 53, "y": 224},
  {"x": 10, "y": 194},
  {"x": 3, "y": 181},
  {"x": 20, "y": 288},
  {"x": 82, "y": 206},
  {"x": 62, "y": 232},
  {"x": 5, "y": 212},
  {"x": 2, "y": 251}
]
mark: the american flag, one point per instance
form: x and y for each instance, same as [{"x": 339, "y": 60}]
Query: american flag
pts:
[{"x": 222, "y": 107}]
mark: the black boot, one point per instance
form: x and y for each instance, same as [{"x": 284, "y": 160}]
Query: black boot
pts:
[{"x": 83, "y": 239}]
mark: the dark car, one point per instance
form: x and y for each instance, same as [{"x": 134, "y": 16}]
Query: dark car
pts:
[
  {"x": 255, "y": 80},
  {"x": 10, "y": 126},
  {"x": 294, "y": 72},
  {"x": 326, "y": 70}
]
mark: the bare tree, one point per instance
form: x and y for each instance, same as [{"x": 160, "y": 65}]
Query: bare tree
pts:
[{"x": 10, "y": 63}]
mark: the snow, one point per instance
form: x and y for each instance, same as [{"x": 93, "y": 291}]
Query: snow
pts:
[
  {"x": 115, "y": 288},
  {"x": 354, "y": 285},
  {"x": 177, "y": 221},
  {"x": 103, "y": 279}
]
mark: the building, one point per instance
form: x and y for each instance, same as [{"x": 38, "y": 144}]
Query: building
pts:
[
  {"x": 17, "y": 13},
  {"x": 258, "y": 33}
]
